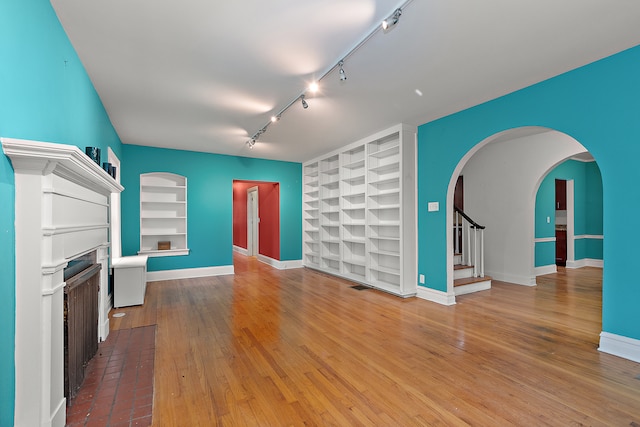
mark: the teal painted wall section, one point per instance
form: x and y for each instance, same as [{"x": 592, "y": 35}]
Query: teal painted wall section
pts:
[
  {"x": 209, "y": 202},
  {"x": 593, "y": 199},
  {"x": 45, "y": 95},
  {"x": 545, "y": 253},
  {"x": 7, "y": 292},
  {"x": 598, "y": 106},
  {"x": 587, "y": 210}
]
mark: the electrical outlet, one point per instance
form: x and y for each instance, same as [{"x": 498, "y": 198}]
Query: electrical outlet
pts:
[
  {"x": 548, "y": 220},
  {"x": 422, "y": 279}
]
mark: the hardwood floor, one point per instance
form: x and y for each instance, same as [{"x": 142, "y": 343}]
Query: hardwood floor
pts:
[{"x": 296, "y": 347}]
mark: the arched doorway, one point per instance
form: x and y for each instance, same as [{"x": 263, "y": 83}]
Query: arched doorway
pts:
[
  {"x": 502, "y": 175},
  {"x": 568, "y": 216}
]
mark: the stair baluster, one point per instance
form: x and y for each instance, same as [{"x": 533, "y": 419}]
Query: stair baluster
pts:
[{"x": 473, "y": 241}]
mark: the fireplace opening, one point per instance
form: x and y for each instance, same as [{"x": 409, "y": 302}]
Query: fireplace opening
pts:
[
  {"x": 82, "y": 277},
  {"x": 78, "y": 264}
]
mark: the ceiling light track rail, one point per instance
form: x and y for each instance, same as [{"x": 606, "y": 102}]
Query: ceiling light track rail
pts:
[{"x": 386, "y": 25}]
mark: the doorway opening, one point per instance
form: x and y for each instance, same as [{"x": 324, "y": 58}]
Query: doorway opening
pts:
[
  {"x": 256, "y": 219},
  {"x": 561, "y": 221}
]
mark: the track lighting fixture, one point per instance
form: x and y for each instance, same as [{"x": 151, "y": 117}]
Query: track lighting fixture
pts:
[
  {"x": 343, "y": 76},
  {"x": 392, "y": 20},
  {"x": 387, "y": 24}
]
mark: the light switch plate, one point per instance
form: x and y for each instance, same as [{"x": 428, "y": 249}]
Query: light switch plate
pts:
[{"x": 433, "y": 206}]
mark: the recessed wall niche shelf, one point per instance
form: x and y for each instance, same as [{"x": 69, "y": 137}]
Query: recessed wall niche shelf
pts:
[
  {"x": 359, "y": 211},
  {"x": 163, "y": 214}
]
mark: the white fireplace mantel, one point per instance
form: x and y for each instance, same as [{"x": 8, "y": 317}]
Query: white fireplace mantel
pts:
[
  {"x": 62, "y": 211},
  {"x": 64, "y": 160}
]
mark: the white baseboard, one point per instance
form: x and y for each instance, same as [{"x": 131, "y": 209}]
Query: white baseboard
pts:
[
  {"x": 240, "y": 250},
  {"x": 586, "y": 262},
  {"x": 59, "y": 414},
  {"x": 512, "y": 278},
  {"x": 618, "y": 345},
  {"x": 439, "y": 297},
  {"x": 472, "y": 288},
  {"x": 280, "y": 265},
  {"x": 104, "y": 329},
  {"x": 545, "y": 269},
  {"x": 189, "y": 273}
]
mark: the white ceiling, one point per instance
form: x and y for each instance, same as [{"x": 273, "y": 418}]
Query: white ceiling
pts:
[{"x": 205, "y": 75}]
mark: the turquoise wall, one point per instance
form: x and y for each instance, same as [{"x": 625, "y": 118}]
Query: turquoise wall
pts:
[
  {"x": 209, "y": 202},
  {"x": 45, "y": 95},
  {"x": 587, "y": 183},
  {"x": 598, "y": 106},
  {"x": 7, "y": 291}
]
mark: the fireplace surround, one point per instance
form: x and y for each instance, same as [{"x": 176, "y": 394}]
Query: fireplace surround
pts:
[{"x": 62, "y": 212}]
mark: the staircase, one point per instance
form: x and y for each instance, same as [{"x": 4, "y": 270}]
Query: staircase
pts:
[{"x": 468, "y": 268}]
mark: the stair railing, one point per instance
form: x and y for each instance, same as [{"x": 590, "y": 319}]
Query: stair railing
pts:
[{"x": 470, "y": 235}]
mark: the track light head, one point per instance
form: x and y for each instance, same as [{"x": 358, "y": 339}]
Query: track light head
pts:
[
  {"x": 392, "y": 20},
  {"x": 251, "y": 143},
  {"x": 341, "y": 73},
  {"x": 275, "y": 118},
  {"x": 304, "y": 103}
]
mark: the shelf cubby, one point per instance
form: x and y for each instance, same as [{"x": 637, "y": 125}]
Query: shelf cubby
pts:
[
  {"x": 311, "y": 214},
  {"x": 163, "y": 214}
]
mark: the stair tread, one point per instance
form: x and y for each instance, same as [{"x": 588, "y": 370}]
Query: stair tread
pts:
[
  {"x": 461, "y": 266},
  {"x": 470, "y": 280}
]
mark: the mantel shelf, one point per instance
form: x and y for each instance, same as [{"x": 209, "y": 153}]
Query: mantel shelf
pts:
[{"x": 67, "y": 161}]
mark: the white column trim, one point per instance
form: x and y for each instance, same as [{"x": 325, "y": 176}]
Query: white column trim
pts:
[{"x": 571, "y": 250}]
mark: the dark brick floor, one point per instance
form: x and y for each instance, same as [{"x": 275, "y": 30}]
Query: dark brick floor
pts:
[{"x": 118, "y": 387}]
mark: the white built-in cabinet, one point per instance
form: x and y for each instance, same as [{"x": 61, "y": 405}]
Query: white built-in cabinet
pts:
[
  {"x": 359, "y": 211},
  {"x": 163, "y": 214}
]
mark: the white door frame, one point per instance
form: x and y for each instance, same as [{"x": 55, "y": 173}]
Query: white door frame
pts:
[
  {"x": 253, "y": 221},
  {"x": 116, "y": 249},
  {"x": 571, "y": 250},
  {"x": 115, "y": 214}
]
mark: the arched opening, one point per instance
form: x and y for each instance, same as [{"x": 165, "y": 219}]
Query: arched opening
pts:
[
  {"x": 502, "y": 175},
  {"x": 568, "y": 216}
]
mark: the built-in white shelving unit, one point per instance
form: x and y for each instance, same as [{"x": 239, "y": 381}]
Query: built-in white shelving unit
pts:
[
  {"x": 367, "y": 212},
  {"x": 330, "y": 214},
  {"x": 353, "y": 195},
  {"x": 311, "y": 215},
  {"x": 163, "y": 214}
]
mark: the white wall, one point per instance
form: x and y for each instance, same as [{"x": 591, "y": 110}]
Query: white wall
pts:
[{"x": 500, "y": 185}]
